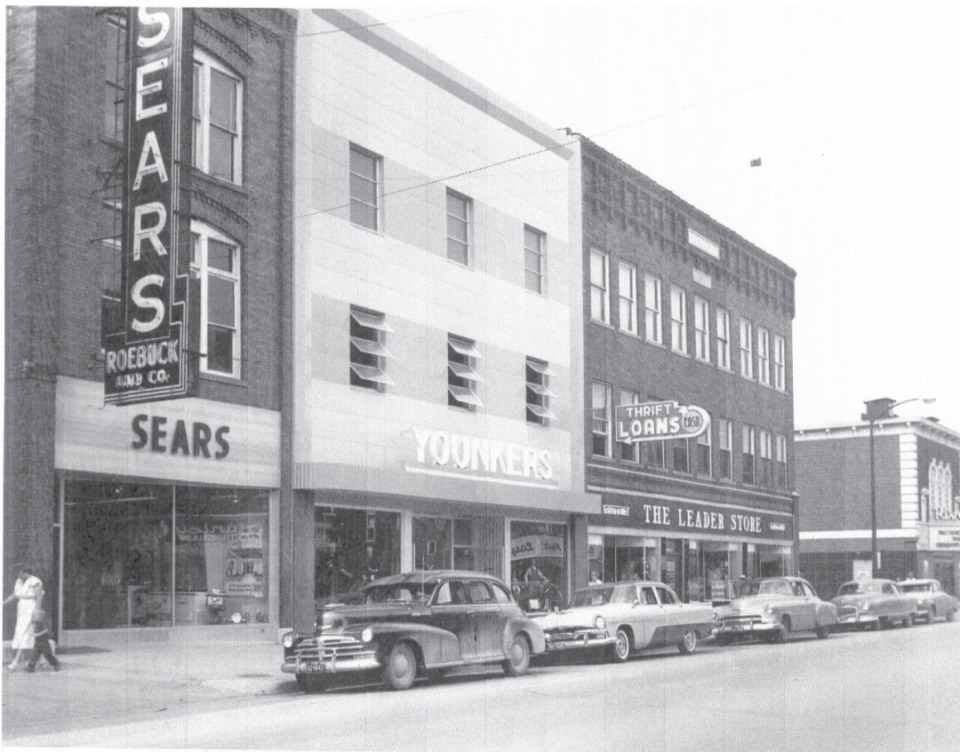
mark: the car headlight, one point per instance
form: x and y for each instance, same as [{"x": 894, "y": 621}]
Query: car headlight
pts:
[
  {"x": 768, "y": 610},
  {"x": 366, "y": 635},
  {"x": 289, "y": 639},
  {"x": 600, "y": 623}
]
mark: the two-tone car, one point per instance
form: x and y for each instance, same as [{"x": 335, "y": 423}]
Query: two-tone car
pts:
[
  {"x": 419, "y": 624},
  {"x": 771, "y": 608},
  {"x": 873, "y": 603},
  {"x": 931, "y": 599},
  {"x": 624, "y": 618}
]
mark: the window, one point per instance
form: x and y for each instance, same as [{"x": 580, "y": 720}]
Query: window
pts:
[
  {"x": 629, "y": 452},
  {"x": 723, "y": 339},
  {"x": 726, "y": 449},
  {"x": 653, "y": 309},
  {"x": 458, "y": 227},
  {"x": 365, "y": 169},
  {"x": 749, "y": 455},
  {"x": 217, "y": 121},
  {"x": 538, "y": 392},
  {"x": 656, "y": 453},
  {"x": 763, "y": 356},
  {"x": 627, "y": 291},
  {"x": 681, "y": 455},
  {"x": 704, "y": 458},
  {"x": 462, "y": 377},
  {"x": 766, "y": 455},
  {"x": 678, "y": 319},
  {"x": 601, "y": 419},
  {"x": 534, "y": 243},
  {"x": 368, "y": 352},
  {"x": 215, "y": 259},
  {"x": 780, "y": 363},
  {"x": 746, "y": 349},
  {"x": 781, "y": 461},
  {"x": 114, "y": 90},
  {"x": 701, "y": 327},
  {"x": 599, "y": 287}
]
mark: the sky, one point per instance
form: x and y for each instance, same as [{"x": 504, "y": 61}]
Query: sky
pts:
[{"x": 853, "y": 110}]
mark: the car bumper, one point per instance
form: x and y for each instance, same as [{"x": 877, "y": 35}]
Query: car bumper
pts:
[
  {"x": 332, "y": 665},
  {"x": 734, "y": 629},
  {"x": 857, "y": 620},
  {"x": 579, "y": 640}
]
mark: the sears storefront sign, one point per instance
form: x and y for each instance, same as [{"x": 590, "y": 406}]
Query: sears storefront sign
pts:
[
  {"x": 656, "y": 421},
  {"x": 147, "y": 360}
]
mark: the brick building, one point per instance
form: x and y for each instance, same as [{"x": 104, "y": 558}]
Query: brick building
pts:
[
  {"x": 680, "y": 309},
  {"x": 438, "y": 331},
  {"x": 163, "y": 514},
  {"x": 917, "y": 486}
]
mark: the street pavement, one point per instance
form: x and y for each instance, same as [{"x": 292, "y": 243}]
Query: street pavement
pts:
[{"x": 875, "y": 691}]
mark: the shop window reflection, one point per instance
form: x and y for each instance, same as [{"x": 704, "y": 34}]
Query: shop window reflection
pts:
[{"x": 353, "y": 547}]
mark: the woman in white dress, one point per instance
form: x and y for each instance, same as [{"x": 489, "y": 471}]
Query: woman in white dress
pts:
[{"x": 27, "y": 592}]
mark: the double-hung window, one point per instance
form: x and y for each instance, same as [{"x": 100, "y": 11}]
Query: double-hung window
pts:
[
  {"x": 627, "y": 292},
  {"x": 368, "y": 352},
  {"x": 629, "y": 452},
  {"x": 746, "y": 349},
  {"x": 538, "y": 392},
  {"x": 726, "y": 449},
  {"x": 600, "y": 404},
  {"x": 766, "y": 458},
  {"x": 462, "y": 376},
  {"x": 365, "y": 179},
  {"x": 763, "y": 356},
  {"x": 780, "y": 363},
  {"x": 749, "y": 455},
  {"x": 599, "y": 286},
  {"x": 653, "y": 309},
  {"x": 215, "y": 259},
  {"x": 781, "y": 461},
  {"x": 678, "y": 319},
  {"x": 217, "y": 118},
  {"x": 458, "y": 227},
  {"x": 114, "y": 90},
  {"x": 681, "y": 455},
  {"x": 704, "y": 454},
  {"x": 723, "y": 339},
  {"x": 534, "y": 252},
  {"x": 701, "y": 328}
]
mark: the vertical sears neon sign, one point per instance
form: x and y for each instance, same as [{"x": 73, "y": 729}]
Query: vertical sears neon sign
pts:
[{"x": 147, "y": 362}]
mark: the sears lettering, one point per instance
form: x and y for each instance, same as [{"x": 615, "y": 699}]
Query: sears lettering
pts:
[{"x": 187, "y": 440}]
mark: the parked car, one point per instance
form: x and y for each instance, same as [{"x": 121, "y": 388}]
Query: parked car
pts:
[
  {"x": 773, "y": 607},
  {"x": 415, "y": 624},
  {"x": 625, "y": 618},
  {"x": 931, "y": 599},
  {"x": 873, "y": 603}
]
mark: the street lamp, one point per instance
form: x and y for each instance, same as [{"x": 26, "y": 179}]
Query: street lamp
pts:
[{"x": 878, "y": 409}]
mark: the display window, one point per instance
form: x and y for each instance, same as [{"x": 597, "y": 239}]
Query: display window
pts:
[
  {"x": 467, "y": 543},
  {"x": 157, "y": 555},
  {"x": 353, "y": 547},
  {"x": 538, "y": 563}
]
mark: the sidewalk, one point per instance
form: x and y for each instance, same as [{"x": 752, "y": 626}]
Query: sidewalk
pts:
[{"x": 99, "y": 687}]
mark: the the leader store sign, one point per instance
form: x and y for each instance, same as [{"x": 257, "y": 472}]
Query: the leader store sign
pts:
[{"x": 147, "y": 360}]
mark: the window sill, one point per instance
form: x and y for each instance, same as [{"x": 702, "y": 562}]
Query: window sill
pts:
[
  {"x": 654, "y": 343},
  {"x": 221, "y": 378},
  {"x": 631, "y": 335},
  {"x": 681, "y": 353},
  {"x": 219, "y": 182},
  {"x": 603, "y": 458},
  {"x": 600, "y": 323}
]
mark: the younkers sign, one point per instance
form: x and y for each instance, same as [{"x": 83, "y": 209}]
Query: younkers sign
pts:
[
  {"x": 145, "y": 361},
  {"x": 656, "y": 421}
]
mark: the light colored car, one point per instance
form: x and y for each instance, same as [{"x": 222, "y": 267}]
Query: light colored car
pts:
[
  {"x": 931, "y": 599},
  {"x": 772, "y": 608},
  {"x": 626, "y": 617},
  {"x": 873, "y": 603}
]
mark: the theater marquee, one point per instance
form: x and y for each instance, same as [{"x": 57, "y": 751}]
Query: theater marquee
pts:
[{"x": 148, "y": 360}]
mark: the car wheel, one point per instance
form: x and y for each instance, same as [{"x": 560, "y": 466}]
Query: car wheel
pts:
[
  {"x": 400, "y": 669},
  {"x": 951, "y": 615},
  {"x": 908, "y": 620},
  {"x": 781, "y": 634},
  {"x": 823, "y": 632},
  {"x": 518, "y": 657},
  {"x": 309, "y": 683},
  {"x": 688, "y": 643},
  {"x": 621, "y": 649}
]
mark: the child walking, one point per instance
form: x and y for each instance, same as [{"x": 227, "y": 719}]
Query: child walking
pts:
[{"x": 41, "y": 642}]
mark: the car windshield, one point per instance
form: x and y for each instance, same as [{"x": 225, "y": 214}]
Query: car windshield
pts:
[
  {"x": 402, "y": 592},
  {"x": 767, "y": 587},
  {"x": 860, "y": 588},
  {"x": 592, "y": 596},
  {"x": 917, "y": 587}
]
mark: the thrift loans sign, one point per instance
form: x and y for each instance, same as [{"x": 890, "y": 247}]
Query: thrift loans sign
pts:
[{"x": 656, "y": 421}]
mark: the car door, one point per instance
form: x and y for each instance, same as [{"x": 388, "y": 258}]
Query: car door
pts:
[
  {"x": 487, "y": 618},
  {"x": 672, "y": 613},
  {"x": 650, "y": 616},
  {"x": 451, "y": 611}
]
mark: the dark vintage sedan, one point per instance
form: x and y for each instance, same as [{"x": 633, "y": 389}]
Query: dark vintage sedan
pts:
[
  {"x": 873, "y": 603},
  {"x": 931, "y": 599},
  {"x": 415, "y": 624},
  {"x": 772, "y": 608}
]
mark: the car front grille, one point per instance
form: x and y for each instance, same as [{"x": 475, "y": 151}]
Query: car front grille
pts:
[
  {"x": 741, "y": 620},
  {"x": 331, "y": 648},
  {"x": 845, "y": 612}
]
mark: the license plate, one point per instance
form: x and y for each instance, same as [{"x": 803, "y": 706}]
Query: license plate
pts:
[{"x": 310, "y": 668}]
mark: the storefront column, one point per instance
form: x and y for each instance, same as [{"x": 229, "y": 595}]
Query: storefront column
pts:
[
  {"x": 273, "y": 565},
  {"x": 579, "y": 553},
  {"x": 297, "y": 607},
  {"x": 406, "y": 542}
]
